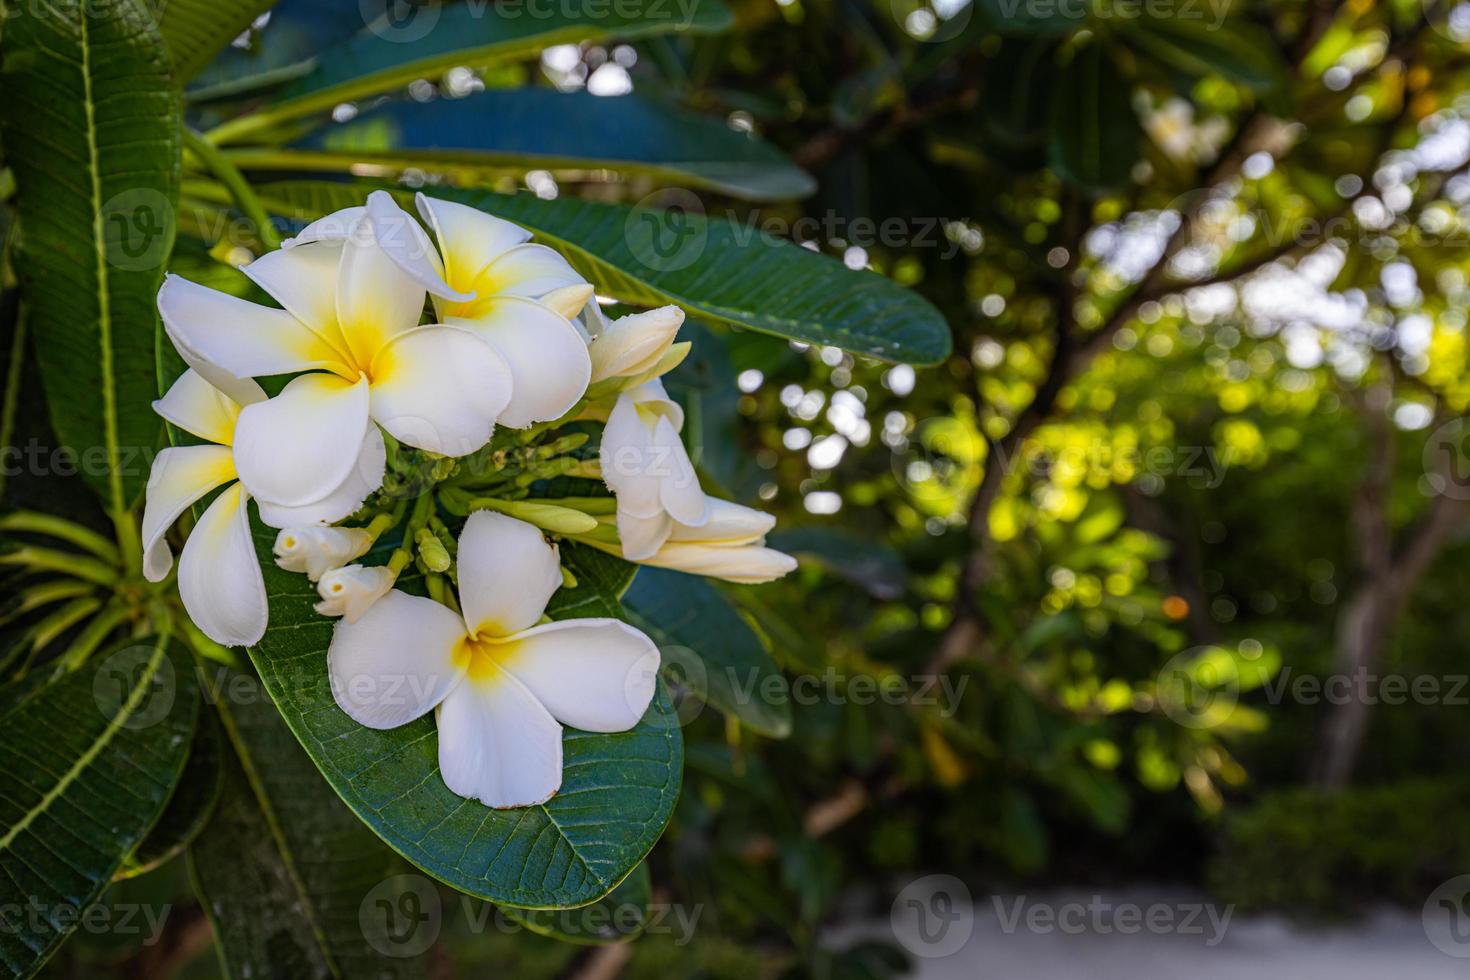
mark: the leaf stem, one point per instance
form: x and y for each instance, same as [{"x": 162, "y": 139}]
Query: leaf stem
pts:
[
  {"x": 230, "y": 176},
  {"x": 33, "y": 522},
  {"x": 51, "y": 560}
]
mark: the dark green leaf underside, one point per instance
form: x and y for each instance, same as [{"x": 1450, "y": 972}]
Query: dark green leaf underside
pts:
[
  {"x": 540, "y": 127},
  {"x": 731, "y": 668}
]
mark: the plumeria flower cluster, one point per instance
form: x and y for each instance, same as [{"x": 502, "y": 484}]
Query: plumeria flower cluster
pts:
[{"x": 424, "y": 372}]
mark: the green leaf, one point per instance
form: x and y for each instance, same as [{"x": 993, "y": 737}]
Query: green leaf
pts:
[
  {"x": 90, "y": 122},
  {"x": 620, "y": 915},
  {"x": 283, "y": 50},
  {"x": 1235, "y": 49},
  {"x": 618, "y": 791},
  {"x": 504, "y": 130},
  {"x": 188, "y": 809},
  {"x": 197, "y": 30},
  {"x": 290, "y": 878},
  {"x": 713, "y": 268},
  {"x": 86, "y": 767},
  {"x": 390, "y": 54},
  {"x": 850, "y": 554},
  {"x": 1094, "y": 133},
  {"x": 731, "y": 667}
]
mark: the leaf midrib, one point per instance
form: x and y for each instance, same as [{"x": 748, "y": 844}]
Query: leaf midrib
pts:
[
  {"x": 118, "y": 722},
  {"x": 104, "y": 302}
]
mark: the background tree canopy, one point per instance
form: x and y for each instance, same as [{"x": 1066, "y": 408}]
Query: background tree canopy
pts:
[{"x": 1119, "y": 424}]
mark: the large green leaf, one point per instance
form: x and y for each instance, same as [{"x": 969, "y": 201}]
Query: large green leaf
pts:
[
  {"x": 730, "y": 667},
  {"x": 293, "y": 882},
  {"x": 1094, "y": 132},
  {"x": 392, "y": 52},
  {"x": 853, "y": 555},
  {"x": 86, "y": 767},
  {"x": 504, "y": 130},
  {"x": 197, "y": 30},
  {"x": 617, "y": 917},
  {"x": 618, "y": 791},
  {"x": 188, "y": 809},
  {"x": 90, "y": 122},
  {"x": 285, "y": 49},
  {"x": 714, "y": 268}
]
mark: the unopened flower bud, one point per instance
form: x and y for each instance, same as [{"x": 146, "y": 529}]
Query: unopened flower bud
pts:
[
  {"x": 432, "y": 551},
  {"x": 318, "y": 550},
  {"x": 634, "y": 345},
  {"x": 349, "y": 592}
]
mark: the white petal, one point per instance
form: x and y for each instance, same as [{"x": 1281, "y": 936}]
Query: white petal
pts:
[
  {"x": 198, "y": 407},
  {"x": 396, "y": 662},
  {"x": 376, "y": 300},
  {"x": 227, "y": 339},
  {"x": 405, "y": 242},
  {"x": 362, "y": 481},
  {"x": 624, "y": 456},
  {"x": 440, "y": 388},
  {"x": 219, "y": 576},
  {"x": 549, "y": 364},
  {"x": 641, "y": 537},
  {"x": 304, "y": 281},
  {"x": 497, "y": 744},
  {"x": 746, "y": 565},
  {"x": 507, "y": 573},
  {"x": 303, "y": 444},
  {"x": 568, "y": 300},
  {"x": 180, "y": 476},
  {"x": 678, "y": 489},
  {"x": 469, "y": 239},
  {"x": 729, "y": 523},
  {"x": 594, "y": 674},
  {"x": 528, "y": 270},
  {"x": 334, "y": 227},
  {"x": 653, "y": 399}
]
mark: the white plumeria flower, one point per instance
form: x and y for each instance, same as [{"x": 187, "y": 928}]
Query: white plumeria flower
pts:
[
  {"x": 632, "y": 346},
  {"x": 646, "y": 466},
  {"x": 351, "y": 318},
  {"x": 219, "y": 577},
  {"x": 351, "y": 591},
  {"x": 502, "y": 685},
  {"x": 318, "y": 550},
  {"x": 729, "y": 546},
  {"x": 523, "y": 298}
]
